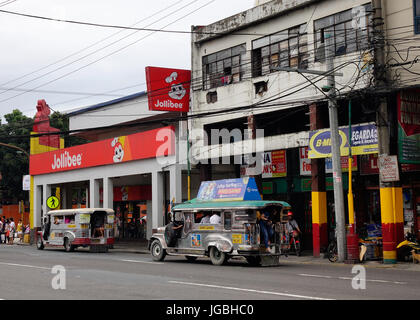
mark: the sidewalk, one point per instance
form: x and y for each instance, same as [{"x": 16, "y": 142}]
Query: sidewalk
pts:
[
  {"x": 140, "y": 247},
  {"x": 306, "y": 258}
]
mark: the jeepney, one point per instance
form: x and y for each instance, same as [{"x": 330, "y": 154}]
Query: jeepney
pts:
[
  {"x": 238, "y": 234},
  {"x": 93, "y": 228}
]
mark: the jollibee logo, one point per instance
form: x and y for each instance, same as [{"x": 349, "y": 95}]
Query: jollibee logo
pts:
[
  {"x": 118, "y": 145},
  {"x": 177, "y": 92}
]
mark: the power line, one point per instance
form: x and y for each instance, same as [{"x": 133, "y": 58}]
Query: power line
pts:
[
  {"x": 85, "y": 48},
  {"x": 106, "y": 56}
]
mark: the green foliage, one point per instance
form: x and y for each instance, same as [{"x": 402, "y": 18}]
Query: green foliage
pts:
[{"x": 14, "y": 163}]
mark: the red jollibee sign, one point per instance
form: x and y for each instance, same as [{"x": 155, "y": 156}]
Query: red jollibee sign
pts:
[
  {"x": 168, "y": 89},
  {"x": 143, "y": 145}
]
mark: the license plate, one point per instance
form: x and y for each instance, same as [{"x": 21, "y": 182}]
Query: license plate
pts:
[{"x": 100, "y": 241}]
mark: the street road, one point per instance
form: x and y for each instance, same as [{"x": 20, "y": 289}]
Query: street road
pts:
[{"x": 26, "y": 273}]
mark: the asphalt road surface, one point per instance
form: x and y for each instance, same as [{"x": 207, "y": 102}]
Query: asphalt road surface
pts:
[{"x": 26, "y": 273}]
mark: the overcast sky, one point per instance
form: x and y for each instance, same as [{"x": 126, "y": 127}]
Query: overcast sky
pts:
[{"x": 30, "y": 44}]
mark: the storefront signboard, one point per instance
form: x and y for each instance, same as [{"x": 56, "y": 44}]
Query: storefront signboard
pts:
[
  {"x": 364, "y": 141},
  {"x": 306, "y": 184},
  {"x": 168, "y": 89},
  {"x": 229, "y": 190},
  {"x": 344, "y": 164},
  {"x": 305, "y": 163},
  {"x": 409, "y": 127},
  {"x": 275, "y": 165},
  {"x": 369, "y": 164},
  {"x": 268, "y": 188},
  {"x": 26, "y": 183},
  {"x": 143, "y": 145}
]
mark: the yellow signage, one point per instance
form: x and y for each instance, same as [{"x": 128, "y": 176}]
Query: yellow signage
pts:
[
  {"x": 206, "y": 228},
  {"x": 53, "y": 202},
  {"x": 236, "y": 238}
]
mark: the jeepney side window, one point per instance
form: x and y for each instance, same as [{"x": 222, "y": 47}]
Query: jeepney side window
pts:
[
  {"x": 227, "y": 220},
  {"x": 69, "y": 219},
  {"x": 58, "y": 220}
]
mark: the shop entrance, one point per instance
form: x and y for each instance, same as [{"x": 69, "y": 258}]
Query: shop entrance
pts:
[
  {"x": 132, "y": 195},
  {"x": 131, "y": 220}
]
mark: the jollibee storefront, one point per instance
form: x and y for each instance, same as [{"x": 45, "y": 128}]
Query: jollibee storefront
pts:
[{"x": 134, "y": 174}]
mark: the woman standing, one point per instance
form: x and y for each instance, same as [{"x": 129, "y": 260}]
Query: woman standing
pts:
[{"x": 7, "y": 230}]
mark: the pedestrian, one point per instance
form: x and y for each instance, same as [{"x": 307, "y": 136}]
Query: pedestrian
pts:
[
  {"x": 20, "y": 230},
  {"x": 7, "y": 231},
  {"x": 12, "y": 228},
  {"x": 2, "y": 236}
]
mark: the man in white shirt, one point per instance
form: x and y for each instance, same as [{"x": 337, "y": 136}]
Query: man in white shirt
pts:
[
  {"x": 215, "y": 218},
  {"x": 206, "y": 218}
]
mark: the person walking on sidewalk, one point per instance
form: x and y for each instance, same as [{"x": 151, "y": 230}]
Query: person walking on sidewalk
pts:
[
  {"x": 2, "y": 235},
  {"x": 12, "y": 228}
]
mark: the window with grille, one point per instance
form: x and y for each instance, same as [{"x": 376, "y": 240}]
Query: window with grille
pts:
[
  {"x": 351, "y": 30},
  {"x": 287, "y": 48},
  {"x": 223, "y": 67}
]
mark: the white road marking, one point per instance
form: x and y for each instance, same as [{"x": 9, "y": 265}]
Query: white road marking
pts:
[
  {"x": 24, "y": 266},
  {"x": 348, "y": 278},
  {"x": 249, "y": 290},
  {"x": 138, "y": 261}
]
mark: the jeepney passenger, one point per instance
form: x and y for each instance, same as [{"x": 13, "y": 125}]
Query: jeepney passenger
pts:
[
  {"x": 206, "y": 218},
  {"x": 267, "y": 231},
  {"x": 215, "y": 218}
]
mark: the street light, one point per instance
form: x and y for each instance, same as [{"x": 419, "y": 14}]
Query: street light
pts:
[{"x": 14, "y": 147}]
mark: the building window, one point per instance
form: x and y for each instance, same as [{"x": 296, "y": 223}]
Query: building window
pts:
[
  {"x": 416, "y": 16},
  {"x": 223, "y": 67},
  {"x": 288, "y": 48},
  {"x": 350, "y": 28}
]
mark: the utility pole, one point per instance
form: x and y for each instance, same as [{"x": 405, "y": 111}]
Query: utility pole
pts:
[{"x": 335, "y": 149}]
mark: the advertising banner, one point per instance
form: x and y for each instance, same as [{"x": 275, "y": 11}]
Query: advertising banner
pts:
[
  {"x": 275, "y": 165},
  {"x": 344, "y": 164},
  {"x": 168, "y": 89},
  {"x": 305, "y": 163},
  {"x": 229, "y": 190},
  {"x": 409, "y": 127},
  {"x": 143, "y": 145},
  {"x": 369, "y": 164},
  {"x": 364, "y": 141}
]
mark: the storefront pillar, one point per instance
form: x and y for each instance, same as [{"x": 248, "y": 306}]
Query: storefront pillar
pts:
[
  {"x": 46, "y": 190},
  {"x": 157, "y": 201},
  {"x": 319, "y": 193},
  {"x": 108, "y": 193},
  {"x": 175, "y": 184},
  {"x": 37, "y": 207},
  {"x": 94, "y": 185},
  {"x": 392, "y": 215}
]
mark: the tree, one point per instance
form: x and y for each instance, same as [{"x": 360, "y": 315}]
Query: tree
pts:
[{"x": 14, "y": 164}]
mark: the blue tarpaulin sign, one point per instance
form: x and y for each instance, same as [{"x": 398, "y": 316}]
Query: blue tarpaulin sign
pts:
[{"x": 229, "y": 190}]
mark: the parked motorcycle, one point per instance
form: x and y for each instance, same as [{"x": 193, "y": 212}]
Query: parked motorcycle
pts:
[{"x": 405, "y": 248}]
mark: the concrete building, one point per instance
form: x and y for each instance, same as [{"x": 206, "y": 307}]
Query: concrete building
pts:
[
  {"x": 256, "y": 69},
  {"x": 128, "y": 166}
]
